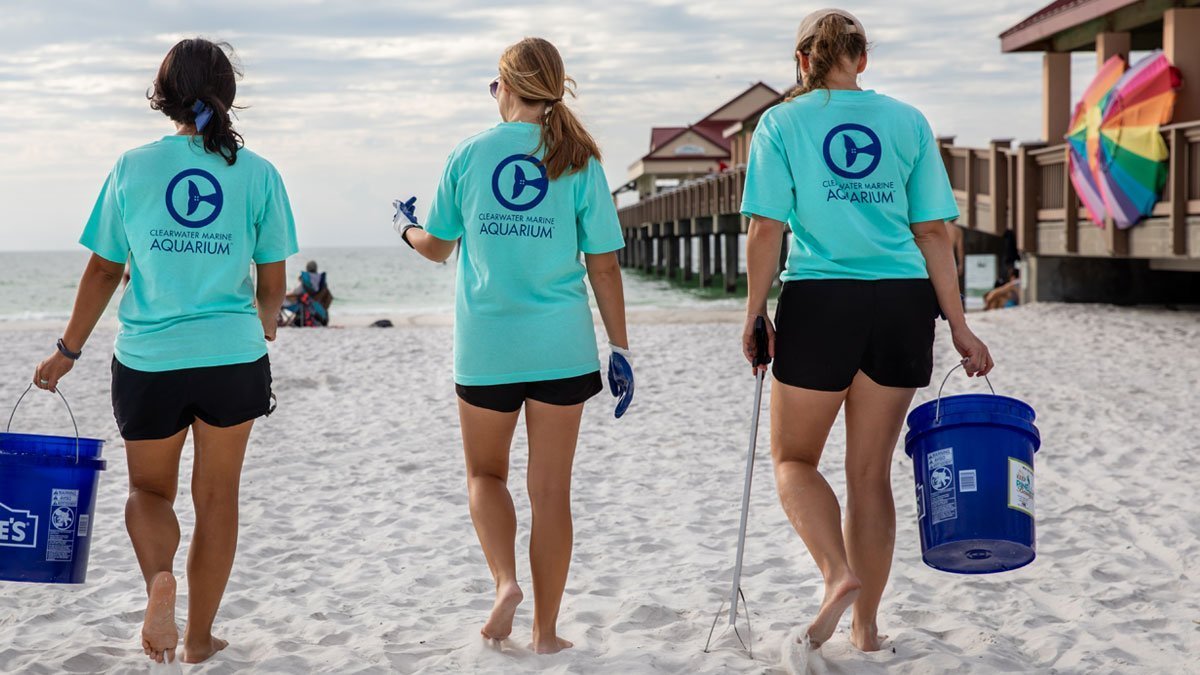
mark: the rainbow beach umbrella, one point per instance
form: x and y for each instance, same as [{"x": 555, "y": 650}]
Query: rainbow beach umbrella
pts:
[
  {"x": 1083, "y": 139},
  {"x": 1132, "y": 170}
]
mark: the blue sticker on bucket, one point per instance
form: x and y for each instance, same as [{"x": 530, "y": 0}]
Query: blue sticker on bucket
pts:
[
  {"x": 943, "y": 501},
  {"x": 60, "y": 538}
]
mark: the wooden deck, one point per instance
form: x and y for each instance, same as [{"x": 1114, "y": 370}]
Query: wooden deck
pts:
[{"x": 999, "y": 188}]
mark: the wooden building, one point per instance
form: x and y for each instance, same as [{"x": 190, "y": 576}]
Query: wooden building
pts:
[{"x": 679, "y": 154}]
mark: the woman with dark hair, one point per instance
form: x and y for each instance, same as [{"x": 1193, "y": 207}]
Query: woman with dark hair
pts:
[
  {"x": 856, "y": 180},
  {"x": 192, "y": 212},
  {"x": 527, "y": 199}
]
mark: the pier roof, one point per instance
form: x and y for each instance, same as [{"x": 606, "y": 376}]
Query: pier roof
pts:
[{"x": 1072, "y": 25}]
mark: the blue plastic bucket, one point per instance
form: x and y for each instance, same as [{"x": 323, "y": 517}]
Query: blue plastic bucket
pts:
[
  {"x": 973, "y": 463},
  {"x": 47, "y": 501}
]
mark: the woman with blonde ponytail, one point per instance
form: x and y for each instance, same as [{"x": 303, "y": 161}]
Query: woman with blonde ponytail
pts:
[
  {"x": 856, "y": 181},
  {"x": 530, "y": 204}
]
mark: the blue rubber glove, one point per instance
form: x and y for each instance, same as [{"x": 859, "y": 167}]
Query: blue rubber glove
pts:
[
  {"x": 620, "y": 378},
  {"x": 405, "y": 218}
]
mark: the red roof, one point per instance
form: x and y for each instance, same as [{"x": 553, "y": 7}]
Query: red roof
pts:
[
  {"x": 711, "y": 129},
  {"x": 660, "y": 136}
]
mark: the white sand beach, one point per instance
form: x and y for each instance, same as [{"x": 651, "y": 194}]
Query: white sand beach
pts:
[{"x": 357, "y": 553}]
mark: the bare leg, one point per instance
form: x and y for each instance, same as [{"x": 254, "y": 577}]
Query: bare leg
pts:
[
  {"x": 487, "y": 437},
  {"x": 874, "y": 417},
  {"x": 154, "y": 531},
  {"x": 216, "y": 476},
  {"x": 553, "y": 433},
  {"x": 800, "y": 424}
]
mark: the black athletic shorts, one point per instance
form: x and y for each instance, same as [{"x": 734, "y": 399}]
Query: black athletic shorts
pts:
[
  {"x": 509, "y": 397},
  {"x": 150, "y": 406},
  {"x": 826, "y": 330}
]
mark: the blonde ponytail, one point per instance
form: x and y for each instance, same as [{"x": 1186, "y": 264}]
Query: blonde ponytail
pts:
[
  {"x": 829, "y": 48},
  {"x": 533, "y": 70}
]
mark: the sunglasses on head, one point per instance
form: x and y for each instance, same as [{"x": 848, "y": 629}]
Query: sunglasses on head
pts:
[{"x": 494, "y": 87}]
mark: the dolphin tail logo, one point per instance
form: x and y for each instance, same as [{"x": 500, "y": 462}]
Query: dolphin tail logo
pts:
[
  {"x": 853, "y": 151},
  {"x": 520, "y": 182},
  {"x": 194, "y": 198}
]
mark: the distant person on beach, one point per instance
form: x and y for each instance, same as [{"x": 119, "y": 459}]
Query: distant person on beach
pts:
[
  {"x": 1007, "y": 292},
  {"x": 192, "y": 349},
  {"x": 308, "y": 304},
  {"x": 527, "y": 198},
  {"x": 856, "y": 180}
]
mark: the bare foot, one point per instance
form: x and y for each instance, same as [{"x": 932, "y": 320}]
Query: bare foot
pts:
[
  {"x": 160, "y": 635},
  {"x": 866, "y": 638},
  {"x": 550, "y": 645},
  {"x": 499, "y": 624},
  {"x": 838, "y": 598},
  {"x": 199, "y": 650}
]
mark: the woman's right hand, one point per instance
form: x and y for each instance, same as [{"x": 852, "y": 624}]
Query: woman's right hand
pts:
[
  {"x": 50, "y": 371},
  {"x": 977, "y": 360},
  {"x": 748, "y": 343}
]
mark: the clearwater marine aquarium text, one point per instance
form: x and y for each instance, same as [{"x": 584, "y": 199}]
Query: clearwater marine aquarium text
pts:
[{"x": 194, "y": 199}]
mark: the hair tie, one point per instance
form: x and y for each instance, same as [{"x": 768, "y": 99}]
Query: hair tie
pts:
[{"x": 203, "y": 114}]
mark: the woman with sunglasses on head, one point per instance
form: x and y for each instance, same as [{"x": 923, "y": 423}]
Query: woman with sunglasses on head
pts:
[
  {"x": 192, "y": 212},
  {"x": 857, "y": 181},
  {"x": 527, "y": 198}
]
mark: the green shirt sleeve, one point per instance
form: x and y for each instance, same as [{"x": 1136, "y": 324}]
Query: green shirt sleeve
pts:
[
  {"x": 276, "y": 227},
  {"x": 770, "y": 189},
  {"x": 104, "y": 233},
  {"x": 445, "y": 219},
  {"x": 930, "y": 196},
  {"x": 598, "y": 229}
]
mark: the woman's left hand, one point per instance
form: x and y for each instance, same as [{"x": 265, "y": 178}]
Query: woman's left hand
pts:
[
  {"x": 977, "y": 360},
  {"x": 620, "y": 378},
  {"x": 50, "y": 371}
]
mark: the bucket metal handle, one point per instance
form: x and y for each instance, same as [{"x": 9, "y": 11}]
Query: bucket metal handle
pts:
[
  {"x": 937, "y": 416},
  {"x": 58, "y": 391}
]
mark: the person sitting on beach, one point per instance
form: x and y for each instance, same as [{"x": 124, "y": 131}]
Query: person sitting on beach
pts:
[
  {"x": 526, "y": 198},
  {"x": 309, "y": 302},
  {"x": 856, "y": 179},
  {"x": 192, "y": 349},
  {"x": 1007, "y": 292}
]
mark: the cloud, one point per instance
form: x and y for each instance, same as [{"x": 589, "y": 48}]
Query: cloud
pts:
[{"x": 357, "y": 103}]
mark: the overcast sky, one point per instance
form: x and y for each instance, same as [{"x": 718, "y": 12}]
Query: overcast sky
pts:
[{"x": 359, "y": 102}]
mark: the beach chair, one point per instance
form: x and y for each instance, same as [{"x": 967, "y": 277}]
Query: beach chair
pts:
[{"x": 308, "y": 305}]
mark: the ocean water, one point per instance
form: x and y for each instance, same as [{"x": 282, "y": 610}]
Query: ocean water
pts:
[{"x": 364, "y": 281}]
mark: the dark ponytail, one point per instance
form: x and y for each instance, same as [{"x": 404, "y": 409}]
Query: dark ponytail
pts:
[
  {"x": 829, "y": 48},
  {"x": 198, "y": 70}
]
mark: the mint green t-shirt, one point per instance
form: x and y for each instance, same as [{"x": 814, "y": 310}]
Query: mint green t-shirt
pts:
[
  {"x": 521, "y": 312},
  {"x": 190, "y": 226},
  {"x": 849, "y": 172}
]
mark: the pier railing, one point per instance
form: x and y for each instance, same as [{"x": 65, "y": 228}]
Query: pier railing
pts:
[{"x": 1023, "y": 188}]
